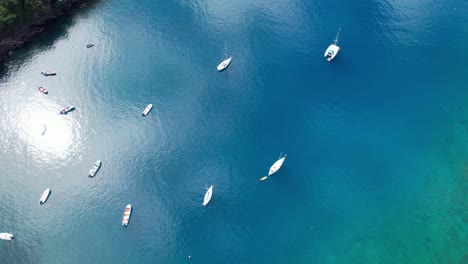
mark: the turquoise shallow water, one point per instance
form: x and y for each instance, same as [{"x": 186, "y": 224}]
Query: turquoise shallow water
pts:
[{"x": 376, "y": 166}]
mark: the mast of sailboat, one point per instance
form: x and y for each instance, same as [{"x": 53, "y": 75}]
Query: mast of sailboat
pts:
[
  {"x": 337, "y": 35},
  {"x": 225, "y": 49}
]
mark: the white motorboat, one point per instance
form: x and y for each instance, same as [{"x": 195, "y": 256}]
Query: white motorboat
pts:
[
  {"x": 126, "y": 216},
  {"x": 94, "y": 169},
  {"x": 44, "y": 196},
  {"x": 275, "y": 167},
  {"x": 147, "y": 110},
  {"x": 208, "y": 195},
  {"x": 6, "y": 236},
  {"x": 67, "y": 109},
  {"x": 333, "y": 49},
  {"x": 44, "y": 129},
  {"x": 48, "y": 73},
  {"x": 225, "y": 63}
]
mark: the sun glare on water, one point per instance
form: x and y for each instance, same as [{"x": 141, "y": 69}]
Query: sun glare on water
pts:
[{"x": 48, "y": 134}]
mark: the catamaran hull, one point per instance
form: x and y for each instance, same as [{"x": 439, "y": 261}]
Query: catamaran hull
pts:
[{"x": 331, "y": 52}]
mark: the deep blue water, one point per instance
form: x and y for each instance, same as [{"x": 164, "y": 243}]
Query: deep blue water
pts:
[{"x": 369, "y": 136}]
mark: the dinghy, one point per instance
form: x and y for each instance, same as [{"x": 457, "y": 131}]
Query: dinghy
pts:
[
  {"x": 6, "y": 236},
  {"x": 94, "y": 169},
  {"x": 333, "y": 49},
  {"x": 67, "y": 109},
  {"x": 126, "y": 216},
  {"x": 208, "y": 195},
  {"x": 275, "y": 167},
  {"x": 43, "y": 90},
  {"x": 90, "y": 45},
  {"x": 44, "y": 196},
  {"x": 147, "y": 110},
  {"x": 48, "y": 73}
]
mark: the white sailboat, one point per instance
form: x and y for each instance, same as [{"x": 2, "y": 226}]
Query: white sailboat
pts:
[
  {"x": 6, "y": 236},
  {"x": 333, "y": 49},
  {"x": 275, "y": 167},
  {"x": 44, "y": 129},
  {"x": 44, "y": 196},
  {"x": 225, "y": 63},
  {"x": 208, "y": 195}
]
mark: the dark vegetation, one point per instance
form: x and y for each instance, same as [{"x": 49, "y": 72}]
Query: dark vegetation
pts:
[
  {"x": 22, "y": 20},
  {"x": 15, "y": 13}
]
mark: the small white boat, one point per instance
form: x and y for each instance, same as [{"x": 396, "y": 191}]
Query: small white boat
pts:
[
  {"x": 147, "y": 110},
  {"x": 43, "y": 90},
  {"x": 333, "y": 49},
  {"x": 208, "y": 195},
  {"x": 94, "y": 169},
  {"x": 67, "y": 109},
  {"x": 44, "y": 196},
  {"x": 126, "y": 216},
  {"x": 48, "y": 73},
  {"x": 44, "y": 129},
  {"x": 6, "y": 236},
  {"x": 275, "y": 167},
  {"x": 225, "y": 63}
]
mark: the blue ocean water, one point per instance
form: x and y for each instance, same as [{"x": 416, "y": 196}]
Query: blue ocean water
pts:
[{"x": 376, "y": 166}]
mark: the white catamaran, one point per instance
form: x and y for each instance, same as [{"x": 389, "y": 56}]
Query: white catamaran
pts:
[
  {"x": 208, "y": 195},
  {"x": 275, "y": 167},
  {"x": 225, "y": 63},
  {"x": 333, "y": 49}
]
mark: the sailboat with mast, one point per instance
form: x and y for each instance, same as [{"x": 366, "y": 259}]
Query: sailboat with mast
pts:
[
  {"x": 275, "y": 167},
  {"x": 225, "y": 63},
  {"x": 333, "y": 49}
]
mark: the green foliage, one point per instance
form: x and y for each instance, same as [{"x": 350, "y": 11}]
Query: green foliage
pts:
[{"x": 14, "y": 13}]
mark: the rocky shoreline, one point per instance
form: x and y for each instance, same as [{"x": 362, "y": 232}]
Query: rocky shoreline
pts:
[{"x": 27, "y": 32}]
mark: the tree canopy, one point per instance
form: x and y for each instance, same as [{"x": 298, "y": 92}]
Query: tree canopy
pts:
[{"x": 14, "y": 13}]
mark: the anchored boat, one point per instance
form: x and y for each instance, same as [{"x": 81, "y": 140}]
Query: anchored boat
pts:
[
  {"x": 126, "y": 216},
  {"x": 48, "y": 73},
  {"x": 6, "y": 236},
  {"x": 43, "y": 90},
  {"x": 67, "y": 109},
  {"x": 90, "y": 45},
  {"x": 225, "y": 63},
  {"x": 94, "y": 169},
  {"x": 147, "y": 110},
  {"x": 208, "y": 195},
  {"x": 275, "y": 167},
  {"x": 44, "y": 196},
  {"x": 333, "y": 49}
]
